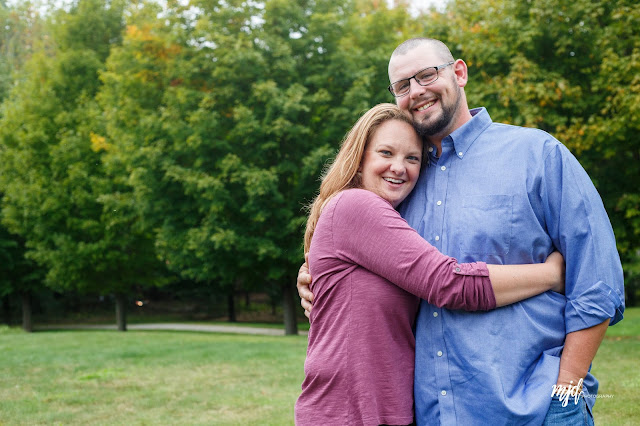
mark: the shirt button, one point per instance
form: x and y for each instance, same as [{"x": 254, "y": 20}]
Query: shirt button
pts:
[
  {"x": 439, "y": 353},
  {"x": 430, "y": 149},
  {"x": 435, "y": 314},
  {"x": 437, "y": 238},
  {"x": 458, "y": 269},
  {"x": 443, "y": 168},
  {"x": 460, "y": 154},
  {"x": 443, "y": 393},
  {"x": 439, "y": 203}
]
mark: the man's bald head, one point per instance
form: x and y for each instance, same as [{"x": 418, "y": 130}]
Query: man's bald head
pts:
[{"x": 437, "y": 46}]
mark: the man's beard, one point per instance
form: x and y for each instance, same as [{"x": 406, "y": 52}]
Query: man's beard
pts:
[{"x": 448, "y": 112}]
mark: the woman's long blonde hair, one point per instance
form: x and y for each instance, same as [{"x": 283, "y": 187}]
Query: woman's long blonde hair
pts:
[{"x": 343, "y": 172}]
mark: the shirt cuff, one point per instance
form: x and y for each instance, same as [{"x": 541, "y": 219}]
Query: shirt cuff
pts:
[
  {"x": 476, "y": 268},
  {"x": 596, "y": 304},
  {"x": 478, "y": 274}
]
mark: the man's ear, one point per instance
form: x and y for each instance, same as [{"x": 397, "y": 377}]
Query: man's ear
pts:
[{"x": 461, "y": 71}]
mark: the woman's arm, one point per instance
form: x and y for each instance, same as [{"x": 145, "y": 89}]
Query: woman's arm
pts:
[
  {"x": 368, "y": 232},
  {"x": 512, "y": 283}
]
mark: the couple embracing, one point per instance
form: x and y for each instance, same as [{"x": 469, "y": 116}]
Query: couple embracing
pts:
[{"x": 436, "y": 285}]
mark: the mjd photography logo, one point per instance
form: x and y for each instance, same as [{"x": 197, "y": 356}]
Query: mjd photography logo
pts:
[{"x": 564, "y": 392}]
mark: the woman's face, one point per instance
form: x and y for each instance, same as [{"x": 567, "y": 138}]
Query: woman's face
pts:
[{"x": 391, "y": 162}]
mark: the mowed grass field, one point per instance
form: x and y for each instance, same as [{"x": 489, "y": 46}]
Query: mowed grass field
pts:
[
  {"x": 617, "y": 367},
  {"x": 148, "y": 378},
  {"x": 188, "y": 378}
]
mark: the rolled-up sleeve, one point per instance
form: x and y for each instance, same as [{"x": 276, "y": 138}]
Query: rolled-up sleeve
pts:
[{"x": 580, "y": 228}]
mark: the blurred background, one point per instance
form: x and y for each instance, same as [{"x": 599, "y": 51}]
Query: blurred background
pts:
[{"x": 156, "y": 157}]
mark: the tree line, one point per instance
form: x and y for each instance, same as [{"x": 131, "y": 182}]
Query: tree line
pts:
[{"x": 143, "y": 143}]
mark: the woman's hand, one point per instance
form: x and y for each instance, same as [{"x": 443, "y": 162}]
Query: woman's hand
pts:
[
  {"x": 303, "y": 282},
  {"x": 555, "y": 262}
]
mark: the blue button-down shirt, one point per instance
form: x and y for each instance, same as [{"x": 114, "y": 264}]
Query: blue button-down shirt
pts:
[{"x": 507, "y": 195}]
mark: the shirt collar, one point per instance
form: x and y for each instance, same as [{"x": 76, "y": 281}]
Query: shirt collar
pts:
[{"x": 463, "y": 137}]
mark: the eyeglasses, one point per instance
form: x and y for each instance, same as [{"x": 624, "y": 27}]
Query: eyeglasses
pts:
[{"x": 423, "y": 77}]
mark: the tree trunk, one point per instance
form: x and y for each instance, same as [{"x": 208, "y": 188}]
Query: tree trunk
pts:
[
  {"x": 6, "y": 310},
  {"x": 121, "y": 311},
  {"x": 247, "y": 299},
  {"x": 27, "y": 323},
  {"x": 231, "y": 306},
  {"x": 630, "y": 295},
  {"x": 289, "y": 310}
]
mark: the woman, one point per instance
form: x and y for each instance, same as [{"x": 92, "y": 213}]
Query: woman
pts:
[{"x": 368, "y": 267}]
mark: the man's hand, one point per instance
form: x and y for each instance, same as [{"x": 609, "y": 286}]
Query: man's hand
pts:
[{"x": 303, "y": 283}]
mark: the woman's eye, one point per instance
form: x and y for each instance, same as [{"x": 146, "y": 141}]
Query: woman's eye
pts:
[
  {"x": 385, "y": 152},
  {"x": 413, "y": 158}
]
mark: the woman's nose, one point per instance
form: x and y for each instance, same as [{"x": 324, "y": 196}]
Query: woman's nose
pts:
[{"x": 397, "y": 166}]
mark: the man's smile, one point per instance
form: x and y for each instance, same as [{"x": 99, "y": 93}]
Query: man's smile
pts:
[{"x": 425, "y": 106}]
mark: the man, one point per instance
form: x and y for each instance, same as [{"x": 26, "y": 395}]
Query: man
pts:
[{"x": 506, "y": 195}]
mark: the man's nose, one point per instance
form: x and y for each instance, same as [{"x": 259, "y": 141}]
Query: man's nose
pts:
[{"x": 415, "y": 89}]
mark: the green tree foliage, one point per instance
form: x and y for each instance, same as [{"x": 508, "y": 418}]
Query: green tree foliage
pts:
[
  {"x": 21, "y": 33},
  {"x": 18, "y": 276},
  {"x": 224, "y": 114},
  {"x": 57, "y": 194},
  {"x": 142, "y": 136}
]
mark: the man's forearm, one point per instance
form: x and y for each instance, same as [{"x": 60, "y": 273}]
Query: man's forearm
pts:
[{"x": 580, "y": 348}]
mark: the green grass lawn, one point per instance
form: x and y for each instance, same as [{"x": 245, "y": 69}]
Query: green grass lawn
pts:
[
  {"x": 159, "y": 377},
  {"x": 617, "y": 367},
  {"x": 148, "y": 378}
]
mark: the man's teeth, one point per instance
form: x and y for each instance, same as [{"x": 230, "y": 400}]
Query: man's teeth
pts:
[
  {"x": 392, "y": 180},
  {"x": 425, "y": 106}
]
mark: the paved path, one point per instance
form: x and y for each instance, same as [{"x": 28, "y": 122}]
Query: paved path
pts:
[{"x": 213, "y": 328}]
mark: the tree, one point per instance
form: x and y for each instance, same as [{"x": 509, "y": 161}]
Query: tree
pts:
[
  {"x": 58, "y": 195},
  {"x": 224, "y": 114},
  {"x": 19, "y": 276},
  {"x": 21, "y": 33}
]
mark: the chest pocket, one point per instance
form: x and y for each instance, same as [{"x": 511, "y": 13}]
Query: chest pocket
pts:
[{"x": 484, "y": 224}]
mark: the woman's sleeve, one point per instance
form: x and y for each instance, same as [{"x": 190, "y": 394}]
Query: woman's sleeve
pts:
[{"x": 367, "y": 231}]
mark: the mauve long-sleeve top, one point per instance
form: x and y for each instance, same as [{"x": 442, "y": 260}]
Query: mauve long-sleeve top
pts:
[{"x": 368, "y": 266}]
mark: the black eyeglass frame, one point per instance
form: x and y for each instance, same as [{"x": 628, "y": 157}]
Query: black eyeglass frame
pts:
[{"x": 438, "y": 68}]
